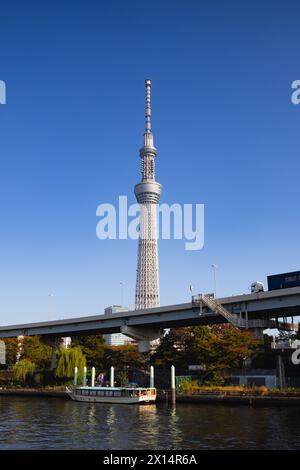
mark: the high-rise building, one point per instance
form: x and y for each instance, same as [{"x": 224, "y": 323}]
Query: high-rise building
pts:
[
  {"x": 66, "y": 341},
  {"x": 147, "y": 193},
  {"x": 116, "y": 339}
]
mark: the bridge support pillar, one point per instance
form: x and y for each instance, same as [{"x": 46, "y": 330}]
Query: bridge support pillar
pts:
[
  {"x": 280, "y": 371},
  {"x": 55, "y": 344},
  {"x": 144, "y": 336},
  {"x": 258, "y": 333}
]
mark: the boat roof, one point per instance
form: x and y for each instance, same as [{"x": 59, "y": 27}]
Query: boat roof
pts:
[{"x": 114, "y": 388}]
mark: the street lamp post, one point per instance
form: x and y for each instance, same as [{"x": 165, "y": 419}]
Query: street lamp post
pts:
[
  {"x": 51, "y": 305},
  {"x": 191, "y": 291},
  {"x": 122, "y": 284},
  {"x": 214, "y": 266}
]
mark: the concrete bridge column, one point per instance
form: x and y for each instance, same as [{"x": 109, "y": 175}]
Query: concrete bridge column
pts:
[
  {"x": 280, "y": 371},
  {"x": 144, "y": 336},
  {"x": 55, "y": 344},
  {"x": 258, "y": 333}
]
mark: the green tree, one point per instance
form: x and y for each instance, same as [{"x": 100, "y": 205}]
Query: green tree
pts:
[
  {"x": 220, "y": 349},
  {"x": 11, "y": 345},
  {"x": 216, "y": 348},
  {"x": 129, "y": 356},
  {"x": 264, "y": 357},
  {"x": 234, "y": 345},
  {"x": 173, "y": 348},
  {"x": 23, "y": 369},
  {"x": 36, "y": 351},
  {"x": 68, "y": 359},
  {"x": 92, "y": 347},
  {"x": 102, "y": 356}
]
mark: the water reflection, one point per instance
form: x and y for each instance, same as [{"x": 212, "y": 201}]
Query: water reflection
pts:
[{"x": 61, "y": 424}]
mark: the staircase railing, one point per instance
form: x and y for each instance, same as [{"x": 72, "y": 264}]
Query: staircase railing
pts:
[
  {"x": 232, "y": 318},
  {"x": 216, "y": 307}
]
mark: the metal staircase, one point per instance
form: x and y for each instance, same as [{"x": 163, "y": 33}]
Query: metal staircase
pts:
[
  {"x": 232, "y": 318},
  {"x": 216, "y": 307}
]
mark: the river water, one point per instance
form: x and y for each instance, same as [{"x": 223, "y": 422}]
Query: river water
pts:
[{"x": 54, "y": 423}]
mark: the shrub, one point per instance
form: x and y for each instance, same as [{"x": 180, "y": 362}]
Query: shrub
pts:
[{"x": 122, "y": 378}]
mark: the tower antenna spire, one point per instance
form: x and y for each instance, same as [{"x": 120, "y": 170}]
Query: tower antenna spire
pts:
[{"x": 148, "y": 106}]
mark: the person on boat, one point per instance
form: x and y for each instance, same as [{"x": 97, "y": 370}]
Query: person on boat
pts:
[{"x": 100, "y": 379}]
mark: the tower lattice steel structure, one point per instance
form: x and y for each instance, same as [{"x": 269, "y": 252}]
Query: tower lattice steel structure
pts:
[{"x": 147, "y": 193}]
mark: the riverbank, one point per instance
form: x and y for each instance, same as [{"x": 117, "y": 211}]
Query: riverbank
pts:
[
  {"x": 58, "y": 392},
  {"x": 165, "y": 396},
  {"x": 266, "y": 400}
]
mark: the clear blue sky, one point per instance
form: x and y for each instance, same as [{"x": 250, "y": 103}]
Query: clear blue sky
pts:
[{"x": 226, "y": 132}]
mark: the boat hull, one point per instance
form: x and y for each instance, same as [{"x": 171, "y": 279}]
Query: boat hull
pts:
[
  {"x": 75, "y": 395},
  {"x": 119, "y": 400}
]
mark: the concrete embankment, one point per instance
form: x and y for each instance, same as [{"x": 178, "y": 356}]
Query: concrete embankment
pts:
[
  {"x": 266, "y": 400},
  {"x": 233, "y": 398},
  {"x": 34, "y": 392},
  {"x": 165, "y": 396}
]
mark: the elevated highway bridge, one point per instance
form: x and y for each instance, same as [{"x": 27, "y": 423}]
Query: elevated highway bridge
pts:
[{"x": 256, "y": 311}]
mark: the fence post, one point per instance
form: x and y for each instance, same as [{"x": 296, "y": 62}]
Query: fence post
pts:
[
  {"x": 173, "y": 385},
  {"x": 112, "y": 376},
  {"x": 93, "y": 377},
  {"x": 84, "y": 376},
  {"x": 151, "y": 377},
  {"x": 75, "y": 375}
]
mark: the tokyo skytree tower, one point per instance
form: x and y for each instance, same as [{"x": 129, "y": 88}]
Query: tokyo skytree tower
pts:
[{"x": 147, "y": 193}]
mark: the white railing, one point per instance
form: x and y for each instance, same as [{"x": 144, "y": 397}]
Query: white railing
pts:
[{"x": 285, "y": 344}]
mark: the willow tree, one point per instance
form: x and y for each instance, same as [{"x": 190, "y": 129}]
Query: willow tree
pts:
[
  {"x": 67, "y": 360},
  {"x": 23, "y": 369}
]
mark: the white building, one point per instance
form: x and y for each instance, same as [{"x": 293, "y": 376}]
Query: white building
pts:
[
  {"x": 66, "y": 342},
  {"x": 116, "y": 339}
]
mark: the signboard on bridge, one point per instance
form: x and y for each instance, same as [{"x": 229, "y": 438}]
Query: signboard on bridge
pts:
[
  {"x": 2, "y": 352},
  {"x": 197, "y": 367}
]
